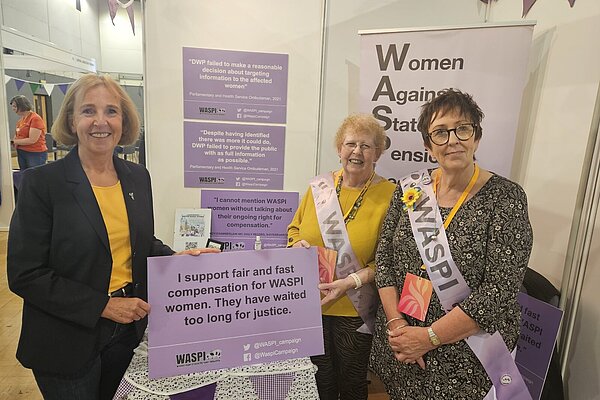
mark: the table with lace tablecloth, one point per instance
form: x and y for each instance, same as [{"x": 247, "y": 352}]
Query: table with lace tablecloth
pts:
[{"x": 283, "y": 380}]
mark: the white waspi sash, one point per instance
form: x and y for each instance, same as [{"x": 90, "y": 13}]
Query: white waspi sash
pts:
[
  {"x": 335, "y": 236},
  {"x": 451, "y": 288}
]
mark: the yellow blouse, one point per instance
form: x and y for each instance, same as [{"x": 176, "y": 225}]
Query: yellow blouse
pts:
[
  {"x": 112, "y": 206},
  {"x": 363, "y": 230}
]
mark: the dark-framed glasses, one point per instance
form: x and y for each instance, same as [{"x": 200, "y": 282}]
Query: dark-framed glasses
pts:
[
  {"x": 442, "y": 136},
  {"x": 365, "y": 147}
]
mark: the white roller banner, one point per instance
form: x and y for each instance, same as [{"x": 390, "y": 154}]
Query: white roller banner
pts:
[{"x": 402, "y": 69}]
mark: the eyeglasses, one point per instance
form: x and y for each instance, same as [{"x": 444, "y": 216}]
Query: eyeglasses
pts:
[
  {"x": 442, "y": 136},
  {"x": 364, "y": 147}
]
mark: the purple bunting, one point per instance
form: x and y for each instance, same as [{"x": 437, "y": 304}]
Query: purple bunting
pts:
[
  {"x": 112, "y": 10},
  {"x": 113, "y": 6},
  {"x": 527, "y": 4},
  {"x": 202, "y": 393},
  {"x": 123, "y": 390},
  {"x": 19, "y": 84},
  {"x": 63, "y": 87},
  {"x": 131, "y": 20},
  {"x": 272, "y": 387}
]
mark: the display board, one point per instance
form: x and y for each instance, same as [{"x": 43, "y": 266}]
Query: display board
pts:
[
  {"x": 403, "y": 69},
  {"x": 200, "y": 24}
]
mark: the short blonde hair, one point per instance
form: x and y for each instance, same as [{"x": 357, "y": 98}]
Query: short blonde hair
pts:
[
  {"x": 62, "y": 129},
  {"x": 363, "y": 123}
]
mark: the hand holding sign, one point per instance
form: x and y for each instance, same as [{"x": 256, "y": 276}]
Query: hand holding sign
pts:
[{"x": 231, "y": 309}]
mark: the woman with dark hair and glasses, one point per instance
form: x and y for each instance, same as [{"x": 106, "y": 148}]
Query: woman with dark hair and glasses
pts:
[
  {"x": 30, "y": 135},
  {"x": 450, "y": 261}
]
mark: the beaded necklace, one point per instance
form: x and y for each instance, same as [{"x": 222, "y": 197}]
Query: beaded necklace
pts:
[{"x": 357, "y": 203}]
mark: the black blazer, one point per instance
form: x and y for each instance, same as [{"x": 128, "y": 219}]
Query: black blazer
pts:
[{"x": 59, "y": 259}]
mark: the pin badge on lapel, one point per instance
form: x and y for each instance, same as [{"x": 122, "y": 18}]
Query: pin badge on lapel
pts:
[{"x": 131, "y": 195}]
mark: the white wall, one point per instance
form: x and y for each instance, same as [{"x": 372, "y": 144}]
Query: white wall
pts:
[
  {"x": 285, "y": 26},
  {"x": 58, "y": 22},
  {"x": 558, "y": 103},
  {"x": 89, "y": 32},
  {"x": 121, "y": 49},
  {"x": 583, "y": 367},
  {"x": 556, "y": 122}
]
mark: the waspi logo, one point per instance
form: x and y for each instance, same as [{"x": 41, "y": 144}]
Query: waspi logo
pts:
[
  {"x": 211, "y": 110},
  {"x": 211, "y": 179},
  {"x": 198, "y": 357}
]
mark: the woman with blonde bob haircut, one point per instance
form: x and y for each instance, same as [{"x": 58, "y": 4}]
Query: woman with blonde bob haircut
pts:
[
  {"x": 362, "y": 123},
  {"x": 79, "y": 240},
  {"x": 62, "y": 130}
]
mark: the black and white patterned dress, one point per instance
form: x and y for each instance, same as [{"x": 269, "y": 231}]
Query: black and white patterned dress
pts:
[{"x": 490, "y": 239}]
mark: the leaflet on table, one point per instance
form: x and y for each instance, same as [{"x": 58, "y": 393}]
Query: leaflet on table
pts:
[
  {"x": 224, "y": 310},
  {"x": 191, "y": 229}
]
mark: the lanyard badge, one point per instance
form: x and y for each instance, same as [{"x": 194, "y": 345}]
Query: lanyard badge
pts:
[{"x": 415, "y": 297}]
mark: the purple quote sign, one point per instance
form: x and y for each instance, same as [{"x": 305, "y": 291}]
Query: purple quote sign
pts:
[
  {"x": 225, "y": 310},
  {"x": 239, "y": 216},
  {"x": 539, "y": 326},
  {"x": 233, "y": 156},
  {"x": 241, "y": 86}
]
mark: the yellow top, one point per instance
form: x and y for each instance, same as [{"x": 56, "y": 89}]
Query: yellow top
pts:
[
  {"x": 112, "y": 206},
  {"x": 363, "y": 230}
]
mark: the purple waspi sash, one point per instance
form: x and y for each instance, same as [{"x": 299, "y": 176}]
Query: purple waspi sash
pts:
[
  {"x": 335, "y": 236},
  {"x": 451, "y": 288}
]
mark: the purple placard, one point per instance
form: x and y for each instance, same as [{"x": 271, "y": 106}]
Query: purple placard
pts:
[
  {"x": 225, "y": 310},
  {"x": 218, "y": 155},
  {"x": 539, "y": 326},
  {"x": 227, "y": 85},
  {"x": 239, "y": 216}
]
